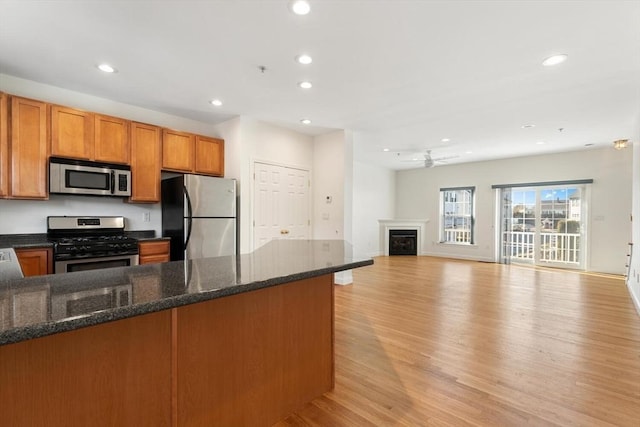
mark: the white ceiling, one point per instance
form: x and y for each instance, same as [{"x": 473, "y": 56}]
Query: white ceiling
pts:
[{"x": 400, "y": 74}]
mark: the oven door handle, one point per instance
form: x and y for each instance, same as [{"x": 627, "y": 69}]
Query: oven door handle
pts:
[
  {"x": 189, "y": 218},
  {"x": 113, "y": 182}
]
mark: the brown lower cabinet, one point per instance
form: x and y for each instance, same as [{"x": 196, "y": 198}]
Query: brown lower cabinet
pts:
[
  {"x": 244, "y": 360},
  {"x": 153, "y": 251},
  {"x": 35, "y": 261}
]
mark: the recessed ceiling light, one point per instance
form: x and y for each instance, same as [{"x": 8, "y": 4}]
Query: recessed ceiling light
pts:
[
  {"x": 305, "y": 121},
  {"x": 385, "y": 149},
  {"x": 106, "y": 68},
  {"x": 304, "y": 59},
  {"x": 540, "y": 142},
  {"x": 305, "y": 85},
  {"x": 445, "y": 140},
  {"x": 555, "y": 60},
  {"x": 468, "y": 152},
  {"x": 216, "y": 102},
  {"x": 528, "y": 126},
  {"x": 300, "y": 7}
]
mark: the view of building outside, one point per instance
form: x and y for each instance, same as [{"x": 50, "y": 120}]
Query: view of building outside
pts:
[
  {"x": 555, "y": 205},
  {"x": 543, "y": 225},
  {"x": 457, "y": 215}
]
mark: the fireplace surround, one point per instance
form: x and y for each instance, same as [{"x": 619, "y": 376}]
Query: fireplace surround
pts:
[{"x": 417, "y": 225}]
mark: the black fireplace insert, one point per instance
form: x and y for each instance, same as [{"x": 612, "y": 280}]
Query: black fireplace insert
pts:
[{"x": 403, "y": 242}]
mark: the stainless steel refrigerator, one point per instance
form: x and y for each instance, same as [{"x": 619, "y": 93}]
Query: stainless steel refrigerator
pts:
[{"x": 199, "y": 215}]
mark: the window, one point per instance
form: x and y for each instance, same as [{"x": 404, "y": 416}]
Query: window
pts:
[{"x": 456, "y": 220}]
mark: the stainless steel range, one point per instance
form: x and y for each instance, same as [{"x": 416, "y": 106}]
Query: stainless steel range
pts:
[{"x": 89, "y": 243}]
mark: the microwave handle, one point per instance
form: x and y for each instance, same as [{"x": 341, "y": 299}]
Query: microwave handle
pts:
[{"x": 113, "y": 182}]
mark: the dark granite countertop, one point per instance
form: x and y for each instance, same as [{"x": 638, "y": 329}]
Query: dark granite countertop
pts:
[
  {"x": 152, "y": 239},
  {"x": 40, "y": 240},
  {"x": 44, "y": 305},
  {"x": 16, "y": 241}
]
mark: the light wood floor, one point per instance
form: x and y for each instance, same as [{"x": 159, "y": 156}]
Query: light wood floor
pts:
[{"x": 429, "y": 341}]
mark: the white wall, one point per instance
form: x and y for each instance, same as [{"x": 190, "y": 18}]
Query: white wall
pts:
[
  {"x": 373, "y": 199},
  {"x": 633, "y": 281},
  {"x": 29, "y": 216},
  {"x": 328, "y": 182},
  {"x": 417, "y": 195}
]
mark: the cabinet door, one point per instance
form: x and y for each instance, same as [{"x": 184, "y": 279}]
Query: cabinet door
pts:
[
  {"x": 209, "y": 158},
  {"x": 4, "y": 146},
  {"x": 177, "y": 150},
  {"x": 111, "y": 139},
  {"x": 35, "y": 262},
  {"x": 28, "y": 148},
  {"x": 145, "y": 163},
  {"x": 155, "y": 251},
  {"x": 71, "y": 133}
]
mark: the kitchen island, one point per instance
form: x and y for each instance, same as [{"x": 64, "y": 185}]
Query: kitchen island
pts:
[{"x": 217, "y": 341}]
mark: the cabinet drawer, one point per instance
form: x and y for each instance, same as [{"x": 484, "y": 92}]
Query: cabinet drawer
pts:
[{"x": 154, "y": 248}]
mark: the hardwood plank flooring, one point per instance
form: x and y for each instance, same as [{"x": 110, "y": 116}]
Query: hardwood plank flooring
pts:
[{"x": 424, "y": 341}]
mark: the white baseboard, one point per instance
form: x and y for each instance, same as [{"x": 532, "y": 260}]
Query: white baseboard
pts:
[
  {"x": 634, "y": 298},
  {"x": 457, "y": 256}
]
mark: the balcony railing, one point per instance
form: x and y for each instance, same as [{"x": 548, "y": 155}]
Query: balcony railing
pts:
[
  {"x": 553, "y": 247},
  {"x": 456, "y": 235}
]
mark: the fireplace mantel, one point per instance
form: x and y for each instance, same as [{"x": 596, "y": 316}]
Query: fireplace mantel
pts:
[{"x": 420, "y": 225}]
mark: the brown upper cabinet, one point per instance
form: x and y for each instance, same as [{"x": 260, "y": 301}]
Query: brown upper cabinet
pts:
[
  {"x": 146, "y": 159},
  {"x": 4, "y": 145},
  {"x": 177, "y": 150},
  {"x": 186, "y": 152},
  {"x": 111, "y": 139},
  {"x": 71, "y": 133},
  {"x": 209, "y": 156},
  {"x": 27, "y": 148},
  {"x": 83, "y": 135}
]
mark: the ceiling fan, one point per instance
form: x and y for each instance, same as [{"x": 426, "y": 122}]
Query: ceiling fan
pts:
[{"x": 427, "y": 160}]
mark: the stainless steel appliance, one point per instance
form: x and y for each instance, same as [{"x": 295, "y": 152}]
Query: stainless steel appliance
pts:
[
  {"x": 9, "y": 265},
  {"x": 89, "y": 243},
  {"x": 67, "y": 176},
  {"x": 199, "y": 215}
]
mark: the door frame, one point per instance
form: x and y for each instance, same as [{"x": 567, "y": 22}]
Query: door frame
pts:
[{"x": 253, "y": 195}]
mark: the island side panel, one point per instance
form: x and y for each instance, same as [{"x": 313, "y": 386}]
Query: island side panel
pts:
[
  {"x": 253, "y": 358},
  {"x": 113, "y": 374}
]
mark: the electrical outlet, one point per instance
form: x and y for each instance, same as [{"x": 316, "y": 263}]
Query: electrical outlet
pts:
[{"x": 146, "y": 216}]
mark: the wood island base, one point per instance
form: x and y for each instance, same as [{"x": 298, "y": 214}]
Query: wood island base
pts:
[{"x": 248, "y": 359}]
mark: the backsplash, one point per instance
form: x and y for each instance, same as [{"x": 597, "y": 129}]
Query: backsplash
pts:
[{"x": 30, "y": 216}]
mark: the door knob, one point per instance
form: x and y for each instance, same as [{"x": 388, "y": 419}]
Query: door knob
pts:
[{"x": 284, "y": 231}]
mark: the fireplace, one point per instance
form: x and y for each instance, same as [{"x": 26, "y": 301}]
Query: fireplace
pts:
[
  {"x": 403, "y": 242},
  {"x": 418, "y": 226}
]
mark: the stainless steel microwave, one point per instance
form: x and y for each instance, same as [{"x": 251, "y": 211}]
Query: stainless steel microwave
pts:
[{"x": 68, "y": 176}]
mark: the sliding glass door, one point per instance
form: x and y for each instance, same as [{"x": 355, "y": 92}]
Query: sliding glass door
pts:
[{"x": 543, "y": 225}]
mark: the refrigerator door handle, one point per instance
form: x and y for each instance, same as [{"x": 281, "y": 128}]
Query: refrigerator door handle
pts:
[{"x": 189, "y": 218}]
